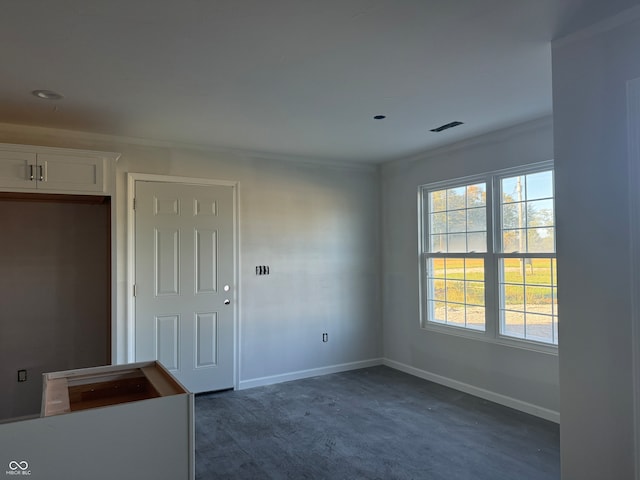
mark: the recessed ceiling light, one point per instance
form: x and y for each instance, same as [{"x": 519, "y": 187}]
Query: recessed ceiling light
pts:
[
  {"x": 379, "y": 117},
  {"x": 446, "y": 127},
  {"x": 47, "y": 94}
]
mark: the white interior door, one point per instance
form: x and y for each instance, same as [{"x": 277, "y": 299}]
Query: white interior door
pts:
[{"x": 184, "y": 281}]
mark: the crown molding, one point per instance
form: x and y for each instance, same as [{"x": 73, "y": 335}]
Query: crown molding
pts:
[
  {"x": 496, "y": 136},
  {"x": 107, "y": 139}
]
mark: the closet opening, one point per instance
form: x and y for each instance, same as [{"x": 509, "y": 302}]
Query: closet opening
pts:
[{"x": 55, "y": 291}]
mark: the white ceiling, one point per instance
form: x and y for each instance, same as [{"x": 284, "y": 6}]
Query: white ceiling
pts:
[{"x": 298, "y": 78}]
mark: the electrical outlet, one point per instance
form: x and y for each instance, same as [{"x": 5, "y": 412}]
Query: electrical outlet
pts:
[
  {"x": 22, "y": 375},
  {"x": 325, "y": 337}
]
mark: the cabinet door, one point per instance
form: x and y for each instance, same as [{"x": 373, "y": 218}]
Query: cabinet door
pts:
[
  {"x": 16, "y": 168},
  {"x": 70, "y": 173}
]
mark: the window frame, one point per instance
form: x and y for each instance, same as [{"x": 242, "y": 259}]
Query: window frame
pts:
[{"x": 492, "y": 257}]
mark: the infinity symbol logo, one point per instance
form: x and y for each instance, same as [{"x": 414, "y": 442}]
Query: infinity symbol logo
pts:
[{"x": 23, "y": 465}]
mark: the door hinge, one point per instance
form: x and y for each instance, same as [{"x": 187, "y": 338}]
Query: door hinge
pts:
[
  {"x": 135, "y": 290},
  {"x": 134, "y": 203}
]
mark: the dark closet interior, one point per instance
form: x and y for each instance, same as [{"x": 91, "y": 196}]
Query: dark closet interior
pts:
[{"x": 55, "y": 291}]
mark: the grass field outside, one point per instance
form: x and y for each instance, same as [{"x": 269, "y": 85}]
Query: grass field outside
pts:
[{"x": 528, "y": 307}]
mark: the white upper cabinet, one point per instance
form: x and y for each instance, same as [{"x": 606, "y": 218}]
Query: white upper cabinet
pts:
[
  {"x": 71, "y": 173},
  {"x": 16, "y": 168},
  {"x": 55, "y": 170}
]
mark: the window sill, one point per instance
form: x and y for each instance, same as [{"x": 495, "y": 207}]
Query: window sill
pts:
[{"x": 486, "y": 337}]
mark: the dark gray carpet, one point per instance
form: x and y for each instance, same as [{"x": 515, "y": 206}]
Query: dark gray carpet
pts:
[{"x": 374, "y": 423}]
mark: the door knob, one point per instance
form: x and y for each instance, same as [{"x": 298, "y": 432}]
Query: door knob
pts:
[{"x": 227, "y": 301}]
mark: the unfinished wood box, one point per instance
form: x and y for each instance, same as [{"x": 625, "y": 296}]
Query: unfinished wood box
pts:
[{"x": 120, "y": 421}]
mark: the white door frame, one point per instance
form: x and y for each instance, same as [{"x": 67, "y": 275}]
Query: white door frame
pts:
[
  {"x": 633, "y": 122},
  {"x": 131, "y": 314}
]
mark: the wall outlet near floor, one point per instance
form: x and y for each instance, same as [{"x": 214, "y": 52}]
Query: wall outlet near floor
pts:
[
  {"x": 22, "y": 375},
  {"x": 325, "y": 337}
]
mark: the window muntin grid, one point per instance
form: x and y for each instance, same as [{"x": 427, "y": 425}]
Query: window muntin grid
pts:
[
  {"x": 527, "y": 218},
  {"x": 457, "y": 220},
  {"x": 527, "y": 277},
  {"x": 456, "y": 288},
  {"x": 529, "y": 299}
]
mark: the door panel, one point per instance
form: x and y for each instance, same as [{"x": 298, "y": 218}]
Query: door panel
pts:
[
  {"x": 206, "y": 261},
  {"x": 205, "y": 207},
  {"x": 184, "y": 251},
  {"x": 167, "y": 261},
  {"x": 167, "y": 344},
  {"x": 166, "y": 206},
  {"x": 206, "y": 339}
]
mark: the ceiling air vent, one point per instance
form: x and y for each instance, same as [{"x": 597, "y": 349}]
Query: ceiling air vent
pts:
[{"x": 447, "y": 126}]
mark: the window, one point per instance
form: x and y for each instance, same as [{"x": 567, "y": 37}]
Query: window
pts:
[
  {"x": 455, "y": 273},
  {"x": 487, "y": 258},
  {"x": 527, "y": 264}
]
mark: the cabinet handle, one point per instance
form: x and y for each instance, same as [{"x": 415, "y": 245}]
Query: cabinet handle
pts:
[
  {"x": 31, "y": 173},
  {"x": 41, "y": 173}
]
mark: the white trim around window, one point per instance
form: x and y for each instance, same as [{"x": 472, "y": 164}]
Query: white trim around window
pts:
[{"x": 469, "y": 286}]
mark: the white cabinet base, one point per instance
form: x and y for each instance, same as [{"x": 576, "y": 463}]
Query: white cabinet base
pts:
[{"x": 151, "y": 438}]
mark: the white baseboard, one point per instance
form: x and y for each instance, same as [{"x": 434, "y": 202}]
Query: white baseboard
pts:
[
  {"x": 312, "y": 372},
  {"x": 526, "y": 407}
]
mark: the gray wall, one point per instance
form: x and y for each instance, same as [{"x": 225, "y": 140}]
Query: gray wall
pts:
[
  {"x": 523, "y": 375},
  {"x": 589, "y": 83},
  {"x": 54, "y": 295},
  {"x": 317, "y": 227}
]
